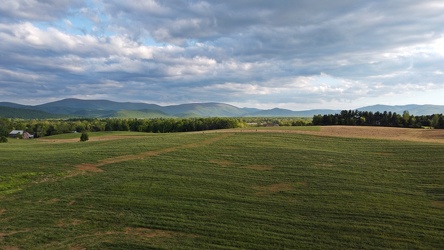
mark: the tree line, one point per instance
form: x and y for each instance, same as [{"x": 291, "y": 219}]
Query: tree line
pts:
[
  {"x": 159, "y": 125},
  {"x": 40, "y": 128},
  {"x": 388, "y": 119}
]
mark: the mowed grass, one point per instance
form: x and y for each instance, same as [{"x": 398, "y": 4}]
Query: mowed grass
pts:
[
  {"x": 282, "y": 128},
  {"x": 222, "y": 191}
]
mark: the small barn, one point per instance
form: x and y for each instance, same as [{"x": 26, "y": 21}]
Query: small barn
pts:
[{"x": 17, "y": 133}]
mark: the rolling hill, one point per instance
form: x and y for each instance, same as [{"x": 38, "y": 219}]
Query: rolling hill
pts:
[
  {"x": 204, "y": 110},
  {"x": 77, "y": 108},
  {"x": 144, "y": 113},
  {"x": 68, "y": 106},
  {"x": 14, "y": 105},
  {"x": 277, "y": 112},
  {"x": 25, "y": 113}
]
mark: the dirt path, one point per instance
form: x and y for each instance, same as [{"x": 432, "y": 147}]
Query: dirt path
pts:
[{"x": 89, "y": 167}]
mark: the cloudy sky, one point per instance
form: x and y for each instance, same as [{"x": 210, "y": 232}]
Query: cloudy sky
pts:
[{"x": 298, "y": 54}]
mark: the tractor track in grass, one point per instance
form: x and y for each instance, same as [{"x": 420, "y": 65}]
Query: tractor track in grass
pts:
[{"x": 94, "y": 167}]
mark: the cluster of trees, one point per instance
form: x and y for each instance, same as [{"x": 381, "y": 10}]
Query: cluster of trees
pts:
[
  {"x": 167, "y": 125},
  {"x": 354, "y": 117},
  {"x": 281, "y": 121}
]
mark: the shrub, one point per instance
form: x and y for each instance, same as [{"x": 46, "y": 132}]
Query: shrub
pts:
[
  {"x": 84, "y": 136},
  {"x": 3, "y": 139}
]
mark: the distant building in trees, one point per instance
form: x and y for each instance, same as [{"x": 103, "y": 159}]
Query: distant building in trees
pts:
[{"x": 22, "y": 133}]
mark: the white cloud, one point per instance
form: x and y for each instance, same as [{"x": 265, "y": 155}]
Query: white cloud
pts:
[
  {"x": 36, "y": 10},
  {"x": 283, "y": 53},
  {"x": 13, "y": 76}
]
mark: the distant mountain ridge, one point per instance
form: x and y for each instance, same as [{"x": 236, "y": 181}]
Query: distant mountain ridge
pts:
[
  {"x": 71, "y": 105},
  {"x": 77, "y": 108}
]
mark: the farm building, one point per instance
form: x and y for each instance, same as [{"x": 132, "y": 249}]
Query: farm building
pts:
[{"x": 17, "y": 133}]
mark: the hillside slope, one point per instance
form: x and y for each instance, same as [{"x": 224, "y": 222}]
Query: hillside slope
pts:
[{"x": 25, "y": 113}]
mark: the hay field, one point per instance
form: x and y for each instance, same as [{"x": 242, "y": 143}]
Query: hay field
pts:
[
  {"x": 383, "y": 133},
  {"x": 293, "y": 188}
]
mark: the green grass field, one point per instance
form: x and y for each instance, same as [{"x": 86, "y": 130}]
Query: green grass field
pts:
[{"x": 221, "y": 191}]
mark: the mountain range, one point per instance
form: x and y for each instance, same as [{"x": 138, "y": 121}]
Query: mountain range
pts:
[{"x": 77, "y": 108}]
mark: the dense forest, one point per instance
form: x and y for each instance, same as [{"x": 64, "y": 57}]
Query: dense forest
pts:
[
  {"x": 41, "y": 128},
  {"x": 388, "y": 119}
]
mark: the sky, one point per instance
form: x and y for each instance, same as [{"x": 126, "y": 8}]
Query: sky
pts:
[{"x": 298, "y": 55}]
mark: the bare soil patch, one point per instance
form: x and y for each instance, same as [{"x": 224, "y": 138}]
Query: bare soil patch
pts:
[
  {"x": 65, "y": 223},
  {"x": 88, "y": 168},
  {"x": 2, "y": 235},
  {"x": 77, "y": 248},
  {"x": 9, "y": 247},
  {"x": 2, "y": 211},
  {"x": 274, "y": 188},
  {"x": 222, "y": 163},
  {"x": 53, "y": 201},
  {"x": 439, "y": 204}
]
